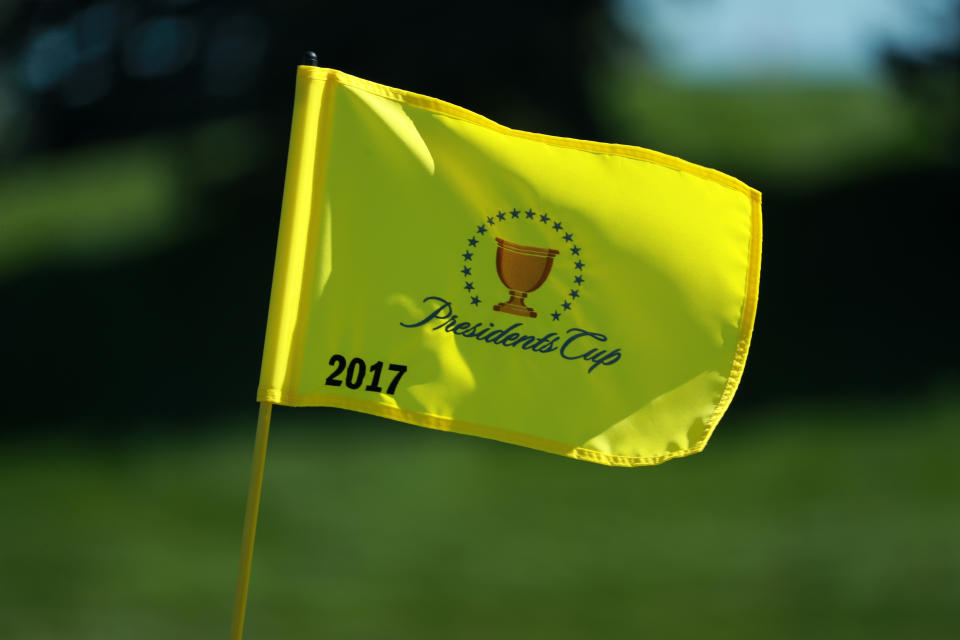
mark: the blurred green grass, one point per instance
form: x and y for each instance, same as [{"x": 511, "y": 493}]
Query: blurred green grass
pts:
[{"x": 829, "y": 521}]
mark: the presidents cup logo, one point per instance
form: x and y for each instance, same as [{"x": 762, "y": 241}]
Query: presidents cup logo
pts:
[{"x": 522, "y": 269}]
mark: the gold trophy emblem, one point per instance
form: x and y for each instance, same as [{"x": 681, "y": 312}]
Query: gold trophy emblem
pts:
[{"x": 522, "y": 270}]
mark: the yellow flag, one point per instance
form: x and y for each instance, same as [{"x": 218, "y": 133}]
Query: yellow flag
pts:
[{"x": 434, "y": 267}]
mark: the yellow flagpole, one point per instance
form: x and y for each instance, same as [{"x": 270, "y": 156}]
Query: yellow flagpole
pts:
[{"x": 250, "y": 520}]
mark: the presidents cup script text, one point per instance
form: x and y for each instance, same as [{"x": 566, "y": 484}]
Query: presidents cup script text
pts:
[{"x": 578, "y": 344}]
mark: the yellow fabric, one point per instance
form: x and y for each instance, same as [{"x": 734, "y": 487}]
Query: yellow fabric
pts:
[{"x": 391, "y": 209}]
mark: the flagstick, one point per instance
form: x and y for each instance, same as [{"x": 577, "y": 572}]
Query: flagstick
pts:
[
  {"x": 253, "y": 493},
  {"x": 250, "y": 520}
]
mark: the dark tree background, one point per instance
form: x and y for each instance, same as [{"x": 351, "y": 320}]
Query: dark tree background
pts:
[{"x": 857, "y": 292}]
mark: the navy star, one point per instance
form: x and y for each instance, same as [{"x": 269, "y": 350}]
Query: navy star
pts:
[
  {"x": 566, "y": 305},
  {"x": 481, "y": 229},
  {"x": 467, "y": 255},
  {"x": 490, "y": 220},
  {"x": 469, "y": 286},
  {"x": 578, "y": 265},
  {"x": 474, "y": 300},
  {"x": 578, "y": 279},
  {"x": 515, "y": 213},
  {"x": 556, "y": 315},
  {"x": 574, "y": 294},
  {"x": 465, "y": 271},
  {"x": 544, "y": 217},
  {"x": 575, "y": 250},
  {"x": 567, "y": 237},
  {"x": 473, "y": 242},
  {"x": 557, "y": 226},
  {"x": 530, "y": 214},
  {"x": 501, "y": 215}
]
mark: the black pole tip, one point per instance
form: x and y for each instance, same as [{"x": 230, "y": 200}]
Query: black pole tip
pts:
[{"x": 309, "y": 59}]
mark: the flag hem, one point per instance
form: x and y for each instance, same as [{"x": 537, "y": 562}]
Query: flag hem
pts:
[
  {"x": 747, "y": 317},
  {"x": 449, "y": 109},
  {"x": 452, "y": 425}
]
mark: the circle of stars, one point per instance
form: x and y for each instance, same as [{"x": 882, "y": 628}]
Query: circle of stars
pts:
[{"x": 574, "y": 251}]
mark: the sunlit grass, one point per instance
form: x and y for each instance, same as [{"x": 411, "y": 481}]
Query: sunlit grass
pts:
[{"x": 821, "y": 521}]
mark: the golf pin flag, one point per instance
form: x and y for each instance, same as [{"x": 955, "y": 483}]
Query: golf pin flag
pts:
[{"x": 436, "y": 268}]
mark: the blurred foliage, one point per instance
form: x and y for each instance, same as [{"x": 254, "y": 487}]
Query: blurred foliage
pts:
[
  {"x": 143, "y": 158},
  {"x": 821, "y": 522},
  {"x": 786, "y": 136},
  {"x": 121, "y": 199},
  {"x": 117, "y": 201}
]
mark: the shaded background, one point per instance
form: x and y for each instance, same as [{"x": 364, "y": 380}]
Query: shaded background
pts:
[{"x": 142, "y": 151}]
